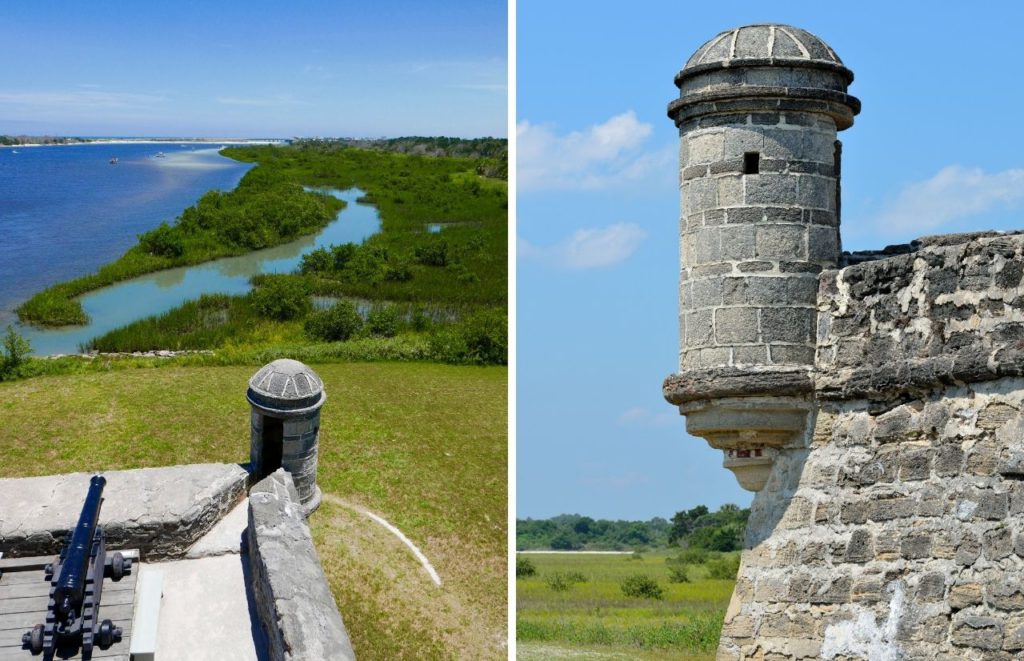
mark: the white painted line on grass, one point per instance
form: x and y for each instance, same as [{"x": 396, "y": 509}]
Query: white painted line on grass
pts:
[
  {"x": 396, "y": 532},
  {"x": 408, "y": 542}
]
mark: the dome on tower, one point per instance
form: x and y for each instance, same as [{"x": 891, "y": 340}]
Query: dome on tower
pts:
[{"x": 766, "y": 44}]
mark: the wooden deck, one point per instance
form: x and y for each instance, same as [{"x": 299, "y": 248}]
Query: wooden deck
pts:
[{"x": 24, "y": 593}]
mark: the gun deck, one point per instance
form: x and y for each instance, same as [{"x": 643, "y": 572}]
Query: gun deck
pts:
[{"x": 24, "y": 593}]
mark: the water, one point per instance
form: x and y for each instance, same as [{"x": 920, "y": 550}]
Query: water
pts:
[
  {"x": 65, "y": 211},
  {"x": 156, "y": 293}
]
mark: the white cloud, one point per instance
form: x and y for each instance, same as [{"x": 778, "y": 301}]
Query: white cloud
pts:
[
  {"x": 955, "y": 192},
  {"x": 588, "y": 248},
  {"x": 79, "y": 99},
  {"x": 603, "y": 155}
]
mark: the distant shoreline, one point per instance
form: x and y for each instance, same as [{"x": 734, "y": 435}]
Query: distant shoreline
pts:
[{"x": 152, "y": 141}]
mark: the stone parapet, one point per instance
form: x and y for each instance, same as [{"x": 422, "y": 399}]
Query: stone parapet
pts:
[
  {"x": 294, "y": 601},
  {"x": 160, "y": 511},
  {"x": 949, "y": 313}
]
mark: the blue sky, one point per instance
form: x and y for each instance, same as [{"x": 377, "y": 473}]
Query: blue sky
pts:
[
  {"x": 936, "y": 149},
  {"x": 255, "y": 68}
]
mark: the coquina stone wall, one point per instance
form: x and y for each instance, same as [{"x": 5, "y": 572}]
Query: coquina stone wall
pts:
[{"x": 893, "y": 527}]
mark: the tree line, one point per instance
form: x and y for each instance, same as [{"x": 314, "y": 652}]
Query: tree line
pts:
[{"x": 697, "y": 527}]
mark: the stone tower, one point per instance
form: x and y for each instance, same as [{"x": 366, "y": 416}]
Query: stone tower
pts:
[
  {"x": 758, "y": 111},
  {"x": 286, "y": 397}
]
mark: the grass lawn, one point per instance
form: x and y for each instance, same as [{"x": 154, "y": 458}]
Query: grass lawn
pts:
[
  {"x": 592, "y": 618},
  {"x": 422, "y": 445}
]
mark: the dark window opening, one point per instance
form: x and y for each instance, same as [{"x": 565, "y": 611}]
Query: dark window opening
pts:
[
  {"x": 751, "y": 162},
  {"x": 273, "y": 445}
]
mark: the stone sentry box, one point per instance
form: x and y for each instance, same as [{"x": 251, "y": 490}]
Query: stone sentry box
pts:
[
  {"x": 286, "y": 397},
  {"x": 758, "y": 111}
]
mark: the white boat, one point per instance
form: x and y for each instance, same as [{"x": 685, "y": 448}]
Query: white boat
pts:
[
  {"x": 113, "y": 161},
  {"x": 14, "y": 151},
  {"x": 160, "y": 154}
]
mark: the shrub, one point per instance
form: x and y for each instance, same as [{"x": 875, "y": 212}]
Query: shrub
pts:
[
  {"x": 281, "y": 297},
  {"x": 337, "y": 323},
  {"x": 382, "y": 321},
  {"x": 693, "y": 556},
  {"x": 677, "y": 570},
  {"x": 15, "y": 351},
  {"x": 434, "y": 254},
  {"x": 641, "y": 586},
  {"x": 725, "y": 568},
  {"x": 318, "y": 260},
  {"x": 525, "y": 568},
  {"x": 558, "y": 583},
  {"x": 562, "y": 581},
  {"x": 163, "y": 241}
]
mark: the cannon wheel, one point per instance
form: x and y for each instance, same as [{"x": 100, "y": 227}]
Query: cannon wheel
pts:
[
  {"x": 106, "y": 634},
  {"x": 35, "y": 643},
  {"x": 117, "y": 566}
]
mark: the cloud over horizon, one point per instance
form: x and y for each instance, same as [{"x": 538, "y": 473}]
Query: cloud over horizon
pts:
[
  {"x": 588, "y": 247},
  {"x": 601, "y": 156},
  {"x": 954, "y": 193}
]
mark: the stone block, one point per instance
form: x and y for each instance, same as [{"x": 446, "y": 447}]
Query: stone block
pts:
[
  {"x": 771, "y": 189},
  {"x": 736, "y": 325},
  {"x": 978, "y": 631},
  {"x": 861, "y": 547},
  {"x": 965, "y": 595},
  {"x": 699, "y": 328},
  {"x": 915, "y": 465},
  {"x": 730, "y": 192},
  {"x": 823, "y": 244},
  {"x": 704, "y": 147},
  {"x": 739, "y": 141},
  {"x": 781, "y": 242},
  {"x": 745, "y": 215},
  {"x": 790, "y": 354},
  {"x": 816, "y": 192},
  {"x": 997, "y": 543},
  {"x": 1007, "y": 593},
  {"x": 783, "y": 324},
  {"x": 708, "y": 248},
  {"x": 738, "y": 242},
  {"x": 706, "y": 293},
  {"x": 916, "y": 545},
  {"x": 750, "y": 355}
]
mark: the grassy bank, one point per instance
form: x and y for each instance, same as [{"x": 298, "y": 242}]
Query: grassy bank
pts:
[
  {"x": 433, "y": 464},
  {"x": 576, "y": 601},
  {"x": 266, "y": 209},
  {"x": 464, "y": 263}
]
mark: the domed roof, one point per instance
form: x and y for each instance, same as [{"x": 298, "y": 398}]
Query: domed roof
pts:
[
  {"x": 764, "y": 44},
  {"x": 286, "y": 385}
]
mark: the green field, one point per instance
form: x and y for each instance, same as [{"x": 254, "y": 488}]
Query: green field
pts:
[
  {"x": 594, "y": 619},
  {"x": 424, "y": 446}
]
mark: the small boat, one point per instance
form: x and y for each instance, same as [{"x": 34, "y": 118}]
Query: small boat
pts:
[
  {"x": 160, "y": 154},
  {"x": 113, "y": 161},
  {"x": 14, "y": 151}
]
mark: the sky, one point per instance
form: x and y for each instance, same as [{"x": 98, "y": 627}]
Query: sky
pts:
[
  {"x": 937, "y": 148},
  {"x": 254, "y": 68}
]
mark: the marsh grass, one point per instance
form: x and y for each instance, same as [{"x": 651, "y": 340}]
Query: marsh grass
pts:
[
  {"x": 422, "y": 445},
  {"x": 688, "y": 619}
]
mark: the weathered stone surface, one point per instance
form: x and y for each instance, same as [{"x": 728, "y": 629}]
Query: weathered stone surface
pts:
[
  {"x": 693, "y": 385},
  {"x": 160, "y": 511},
  {"x": 293, "y": 599}
]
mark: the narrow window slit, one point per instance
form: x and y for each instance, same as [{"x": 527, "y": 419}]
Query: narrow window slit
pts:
[{"x": 751, "y": 162}]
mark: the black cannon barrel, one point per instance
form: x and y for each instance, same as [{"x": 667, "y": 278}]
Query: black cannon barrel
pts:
[{"x": 70, "y": 591}]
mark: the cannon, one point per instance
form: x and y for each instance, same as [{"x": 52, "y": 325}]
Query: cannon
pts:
[{"x": 76, "y": 584}]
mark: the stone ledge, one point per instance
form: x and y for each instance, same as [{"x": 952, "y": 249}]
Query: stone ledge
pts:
[
  {"x": 712, "y": 383},
  {"x": 293, "y": 599},
  {"x": 160, "y": 511}
]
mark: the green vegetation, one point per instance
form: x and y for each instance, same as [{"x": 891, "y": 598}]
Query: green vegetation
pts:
[
  {"x": 624, "y": 607},
  {"x": 696, "y": 528},
  {"x": 420, "y": 296},
  {"x": 434, "y": 465},
  {"x": 265, "y": 209},
  {"x": 13, "y": 354}
]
